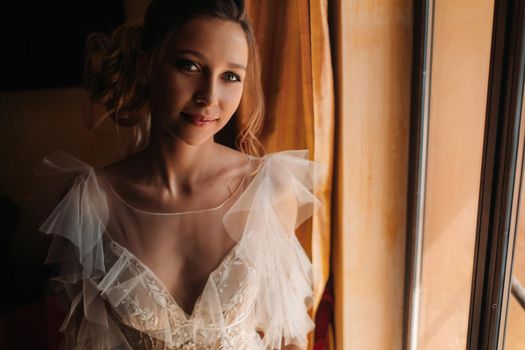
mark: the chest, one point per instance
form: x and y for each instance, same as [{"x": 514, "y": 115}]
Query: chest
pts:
[
  {"x": 182, "y": 251},
  {"x": 139, "y": 289}
]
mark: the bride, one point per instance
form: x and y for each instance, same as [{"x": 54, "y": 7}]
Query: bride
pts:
[{"x": 184, "y": 244}]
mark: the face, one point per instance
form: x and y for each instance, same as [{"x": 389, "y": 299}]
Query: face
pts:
[{"x": 199, "y": 81}]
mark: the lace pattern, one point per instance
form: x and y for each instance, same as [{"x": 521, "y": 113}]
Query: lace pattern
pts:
[{"x": 141, "y": 324}]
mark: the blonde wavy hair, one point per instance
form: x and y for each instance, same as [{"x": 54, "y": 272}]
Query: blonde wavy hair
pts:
[{"x": 110, "y": 73}]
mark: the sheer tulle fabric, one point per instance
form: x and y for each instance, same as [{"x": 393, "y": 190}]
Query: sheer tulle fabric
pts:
[{"x": 116, "y": 302}]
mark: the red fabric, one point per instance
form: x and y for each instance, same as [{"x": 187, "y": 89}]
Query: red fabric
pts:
[{"x": 323, "y": 318}]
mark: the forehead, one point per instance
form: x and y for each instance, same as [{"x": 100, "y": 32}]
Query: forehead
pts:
[{"x": 218, "y": 40}]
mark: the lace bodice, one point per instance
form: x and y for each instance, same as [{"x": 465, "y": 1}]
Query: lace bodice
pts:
[
  {"x": 256, "y": 298},
  {"x": 134, "y": 311}
]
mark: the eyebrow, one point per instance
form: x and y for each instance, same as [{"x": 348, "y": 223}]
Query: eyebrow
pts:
[{"x": 201, "y": 56}]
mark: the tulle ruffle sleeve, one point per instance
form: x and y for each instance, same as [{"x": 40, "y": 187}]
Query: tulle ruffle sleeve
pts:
[
  {"x": 76, "y": 224},
  {"x": 263, "y": 221}
]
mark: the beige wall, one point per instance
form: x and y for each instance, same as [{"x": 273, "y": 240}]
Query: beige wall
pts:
[
  {"x": 461, "y": 57},
  {"x": 374, "y": 101}
]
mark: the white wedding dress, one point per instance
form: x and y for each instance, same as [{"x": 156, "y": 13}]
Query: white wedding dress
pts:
[{"x": 258, "y": 297}]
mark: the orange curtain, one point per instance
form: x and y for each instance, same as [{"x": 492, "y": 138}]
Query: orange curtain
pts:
[{"x": 294, "y": 45}]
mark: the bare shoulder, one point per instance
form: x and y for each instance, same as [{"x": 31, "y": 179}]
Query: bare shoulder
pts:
[{"x": 125, "y": 170}]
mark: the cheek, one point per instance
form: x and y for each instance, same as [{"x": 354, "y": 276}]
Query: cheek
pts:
[
  {"x": 232, "y": 98},
  {"x": 169, "y": 86},
  {"x": 177, "y": 88}
]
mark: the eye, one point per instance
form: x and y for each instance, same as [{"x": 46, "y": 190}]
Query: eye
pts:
[
  {"x": 229, "y": 76},
  {"x": 188, "y": 66}
]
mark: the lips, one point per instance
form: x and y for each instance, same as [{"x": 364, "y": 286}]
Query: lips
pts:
[{"x": 198, "y": 119}]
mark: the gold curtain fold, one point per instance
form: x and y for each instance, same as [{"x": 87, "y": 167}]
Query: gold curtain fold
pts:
[{"x": 293, "y": 38}]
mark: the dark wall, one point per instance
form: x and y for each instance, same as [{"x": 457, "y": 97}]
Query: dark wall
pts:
[{"x": 43, "y": 41}]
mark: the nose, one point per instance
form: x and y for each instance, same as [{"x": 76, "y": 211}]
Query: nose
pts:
[{"x": 207, "y": 93}]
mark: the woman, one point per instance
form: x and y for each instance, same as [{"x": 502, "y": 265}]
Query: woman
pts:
[{"x": 184, "y": 244}]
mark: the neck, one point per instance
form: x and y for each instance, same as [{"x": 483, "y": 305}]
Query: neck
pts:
[{"x": 172, "y": 163}]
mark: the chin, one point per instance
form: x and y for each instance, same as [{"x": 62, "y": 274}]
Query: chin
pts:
[
  {"x": 193, "y": 141},
  {"x": 195, "y": 135},
  {"x": 193, "y": 138}
]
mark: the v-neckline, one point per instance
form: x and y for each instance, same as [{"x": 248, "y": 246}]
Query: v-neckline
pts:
[{"x": 227, "y": 258}]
